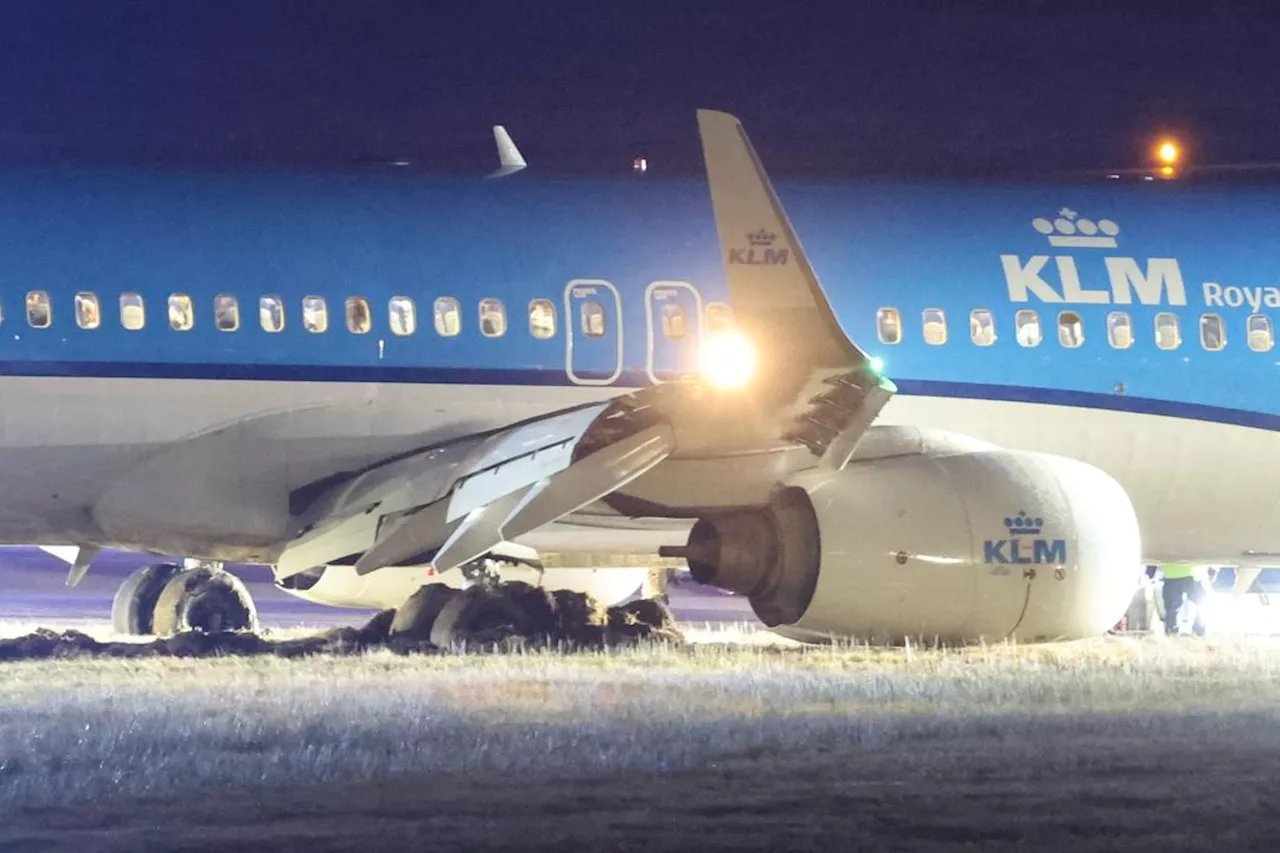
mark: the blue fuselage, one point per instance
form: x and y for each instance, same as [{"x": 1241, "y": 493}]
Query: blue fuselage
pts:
[{"x": 594, "y": 251}]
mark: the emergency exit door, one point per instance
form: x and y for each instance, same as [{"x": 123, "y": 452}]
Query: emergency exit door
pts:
[
  {"x": 593, "y": 332},
  {"x": 673, "y": 315}
]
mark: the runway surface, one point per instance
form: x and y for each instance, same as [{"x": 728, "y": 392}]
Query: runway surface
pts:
[{"x": 33, "y": 592}]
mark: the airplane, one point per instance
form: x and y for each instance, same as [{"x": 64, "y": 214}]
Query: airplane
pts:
[{"x": 958, "y": 411}]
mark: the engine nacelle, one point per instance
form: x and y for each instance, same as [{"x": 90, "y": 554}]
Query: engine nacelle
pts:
[{"x": 956, "y": 547}]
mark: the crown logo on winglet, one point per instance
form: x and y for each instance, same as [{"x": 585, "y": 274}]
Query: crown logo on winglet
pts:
[
  {"x": 761, "y": 238},
  {"x": 1069, "y": 229},
  {"x": 1024, "y": 525}
]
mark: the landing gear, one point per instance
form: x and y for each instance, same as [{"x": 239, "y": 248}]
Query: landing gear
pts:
[
  {"x": 415, "y": 617},
  {"x": 477, "y": 614},
  {"x": 483, "y": 615},
  {"x": 169, "y": 599},
  {"x": 133, "y": 608}
]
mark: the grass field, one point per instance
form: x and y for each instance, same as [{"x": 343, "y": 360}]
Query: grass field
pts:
[{"x": 1118, "y": 743}]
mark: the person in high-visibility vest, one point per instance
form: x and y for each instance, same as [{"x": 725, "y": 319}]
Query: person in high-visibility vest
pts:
[{"x": 1179, "y": 580}]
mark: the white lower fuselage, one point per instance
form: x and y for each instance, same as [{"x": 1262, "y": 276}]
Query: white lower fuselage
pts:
[{"x": 206, "y": 467}]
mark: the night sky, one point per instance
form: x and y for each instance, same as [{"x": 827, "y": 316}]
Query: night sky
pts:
[{"x": 873, "y": 88}]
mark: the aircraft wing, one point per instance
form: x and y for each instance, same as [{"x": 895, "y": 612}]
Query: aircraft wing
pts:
[
  {"x": 812, "y": 396},
  {"x": 448, "y": 505}
]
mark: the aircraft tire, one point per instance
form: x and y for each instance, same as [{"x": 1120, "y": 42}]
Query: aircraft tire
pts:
[
  {"x": 134, "y": 603},
  {"x": 415, "y": 618},
  {"x": 480, "y": 615},
  {"x": 205, "y": 599}
]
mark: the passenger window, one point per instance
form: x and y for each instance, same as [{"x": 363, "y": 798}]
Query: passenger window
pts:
[
  {"x": 593, "y": 325},
  {"x": 182, "y": 315},
  {"x": 88, "y": 313},
  {"x": 359, "y": 320},
  {"x": 493, "y": 318},
  {"x": 226, "y": 312},
  {"x": 1261, "y": 338},
  {"x": 448, "y": 317},
  {"x": 1119, "y": 330},
  {"x": 1168, "y": 333},
  {"x": 672, "y": 320},
  {"x": 935, "y": 326},
  {"x": 404, "y": 316},
  {"x": 39, "y": 311},
  {"x": 542, "y": 319},
  {"x": 315, "y": 314},
  {"x": 982, "y": 327},
  {"x": 889, "y": 325},
  {"x": 719, "y": 318},
  {"x": 1026, "y": 328},
  {"x": 1213, "y": 333},
  {"x": 1070, "y": 329},
  {"x": 271, "y": 313},
  {"x": 133, "y": 314}
]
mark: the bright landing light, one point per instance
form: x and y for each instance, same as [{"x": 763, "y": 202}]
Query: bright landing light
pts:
[
  {"x": 1168, "y": 153},
  {"x": 727, "y": 360}
]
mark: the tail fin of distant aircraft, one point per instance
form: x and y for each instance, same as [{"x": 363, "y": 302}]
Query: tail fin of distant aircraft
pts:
[
  {"x": 778, "y": 304},
  {"x": 509, "y": 157}
]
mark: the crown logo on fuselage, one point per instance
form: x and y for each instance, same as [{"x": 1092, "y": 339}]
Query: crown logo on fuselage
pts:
[{"x": 1070, "y": 230}]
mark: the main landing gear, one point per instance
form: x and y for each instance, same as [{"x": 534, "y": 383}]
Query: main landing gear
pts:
[
  {"x": 489, "y": 612},
  {"x": 167, "y": 598}
]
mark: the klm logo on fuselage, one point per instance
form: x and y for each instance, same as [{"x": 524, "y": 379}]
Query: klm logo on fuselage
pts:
[
  {"x": 1024, "y": 546},
  {"x": 760, "y": 251},
  {"x": 1057, "y": 278}
]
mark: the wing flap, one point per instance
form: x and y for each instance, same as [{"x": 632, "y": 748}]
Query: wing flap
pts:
[{"x": 510, "y": 483}]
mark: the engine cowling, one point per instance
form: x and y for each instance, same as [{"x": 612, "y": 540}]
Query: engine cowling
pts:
[{"x": 957, "y": 547}]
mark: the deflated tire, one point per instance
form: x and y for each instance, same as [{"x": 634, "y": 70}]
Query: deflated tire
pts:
[
  {"x": 204, "y": 599},
  {"x": 414, "y": 618},
  {"x": 479, "y": 615}
]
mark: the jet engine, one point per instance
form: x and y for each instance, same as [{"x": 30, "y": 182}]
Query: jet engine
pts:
[{"x": 951, "y": 547}]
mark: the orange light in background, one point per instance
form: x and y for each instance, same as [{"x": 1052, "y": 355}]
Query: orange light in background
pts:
[
  {"x": 1168, "y": 153},
  {"x": 1166, "y": 171}
]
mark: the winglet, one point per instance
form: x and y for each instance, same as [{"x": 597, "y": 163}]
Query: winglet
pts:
[
  {"x": 778, "y": 303},
  {"x": 776, "y": 297},
  {"x": 509, "y": 156}
]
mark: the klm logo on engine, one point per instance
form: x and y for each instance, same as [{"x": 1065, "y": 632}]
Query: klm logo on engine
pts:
[
  {"x": 1059, "y": 278},
  {"x": 1024, "y": 547},
  {"x": 760, "y": 251}
]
